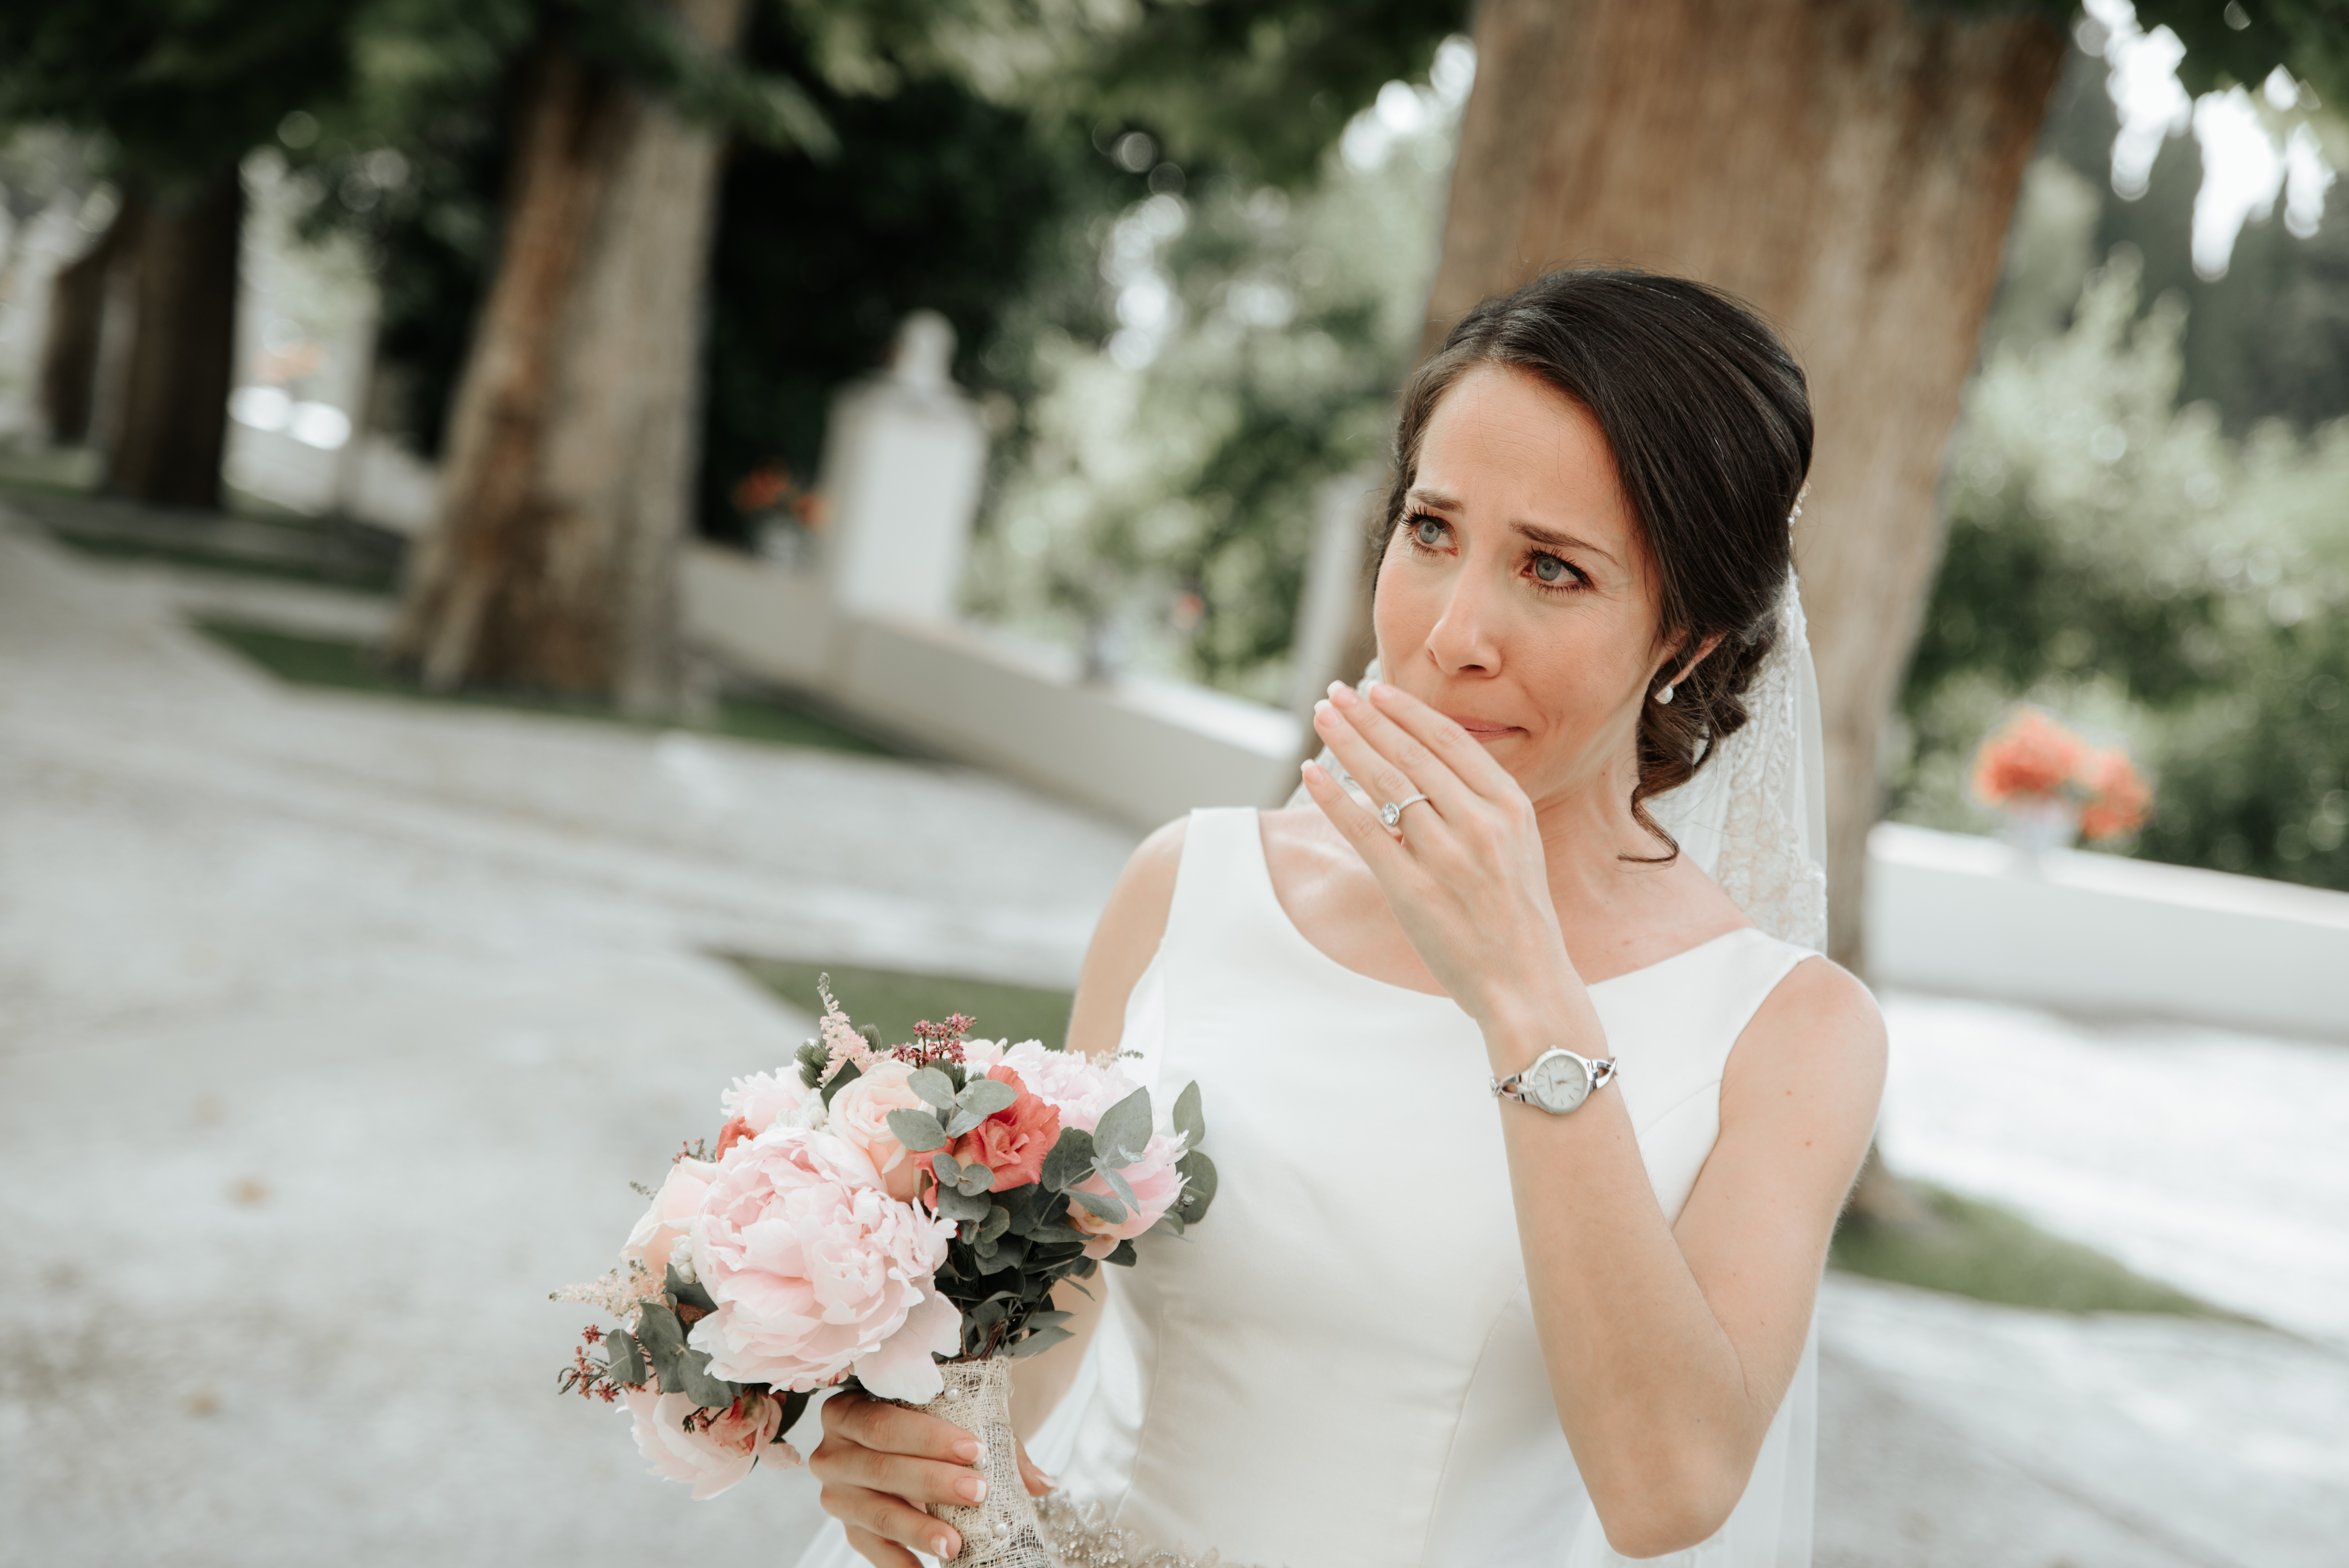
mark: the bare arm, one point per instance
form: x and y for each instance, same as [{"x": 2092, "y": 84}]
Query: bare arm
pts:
[
  {"x": 879, "y": 1463},
  {"x": 1124, "y": 942}
]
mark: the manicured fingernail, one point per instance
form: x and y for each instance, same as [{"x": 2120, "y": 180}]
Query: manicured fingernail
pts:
[
  {"x": 975, "y": 1489},
  {"x": 971, "y": 1451},
  {"x": 942, "y": 1546},
  {"x": 1322, "y": 710},
  {"x": 1049, "y": 1483},
  {"x": 1340, "y": 695}
]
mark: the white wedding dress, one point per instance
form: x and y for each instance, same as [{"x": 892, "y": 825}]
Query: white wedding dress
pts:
[{"x": 1337, "y": 1368}]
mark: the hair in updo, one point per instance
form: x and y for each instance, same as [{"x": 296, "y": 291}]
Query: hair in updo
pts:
[{"x": 1710, "y": 424}]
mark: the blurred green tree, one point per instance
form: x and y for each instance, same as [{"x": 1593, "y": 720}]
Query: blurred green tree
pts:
[{"x": 178, "y": 90}]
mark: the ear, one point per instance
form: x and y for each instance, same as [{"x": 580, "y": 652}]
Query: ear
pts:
[{"x": 1703, "y": 651}]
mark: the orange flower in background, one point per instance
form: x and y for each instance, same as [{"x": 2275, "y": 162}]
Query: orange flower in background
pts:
[
  {"x": 2032, "y": 756},
  {"x": 759, "y": 489},
  {"x": 2119, "y": 800}
]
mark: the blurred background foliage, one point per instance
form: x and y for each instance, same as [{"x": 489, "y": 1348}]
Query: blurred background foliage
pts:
[{"x": 2149, "y": 511}]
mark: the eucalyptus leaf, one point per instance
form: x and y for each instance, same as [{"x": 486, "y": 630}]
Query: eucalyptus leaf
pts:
[
  {"x": 685, "y": 1294},
  {"x": 918, "y": 1131},
  {"x": 1070, "y": 1160},
  {"x": 1124, "y": 1130},
  {"x": 1101, "y": 1208},
  {"x": 987, "y": 1096},
  {"x": 964, "y": 1120},
  {"x": 681, "y": 1369},
  {"x": 1198, "y": 1174},
  {"x": 1124, "y": 1257},
  {"x": 957, "y": 1206},
  {"x": 1048, "y": 1235},
  {"x": 932, "y": 1086},
  {"x": 975, "y": 1179},
  {"x": 1117, "y": 1185},
  {"x": 946, "y": 1168},
  {"x": 998, "y": 1221},
  {"x": 1189, "y": 1120},
  {"x": 626, "y": 1357},
  {"x": 1170, "y": 1221},
  {"x": 1042, "y": 1339},
  {"x": 848, "y": 1073}
]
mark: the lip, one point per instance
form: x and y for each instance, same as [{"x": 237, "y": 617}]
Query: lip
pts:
[{"x": 1484, "y": 729}]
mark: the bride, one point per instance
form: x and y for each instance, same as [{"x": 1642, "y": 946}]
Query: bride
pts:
[{"x": 1532, "y": 1106}]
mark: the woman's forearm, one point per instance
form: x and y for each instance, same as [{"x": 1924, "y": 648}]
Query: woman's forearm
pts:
[{"x": 1650, "y": 1388}]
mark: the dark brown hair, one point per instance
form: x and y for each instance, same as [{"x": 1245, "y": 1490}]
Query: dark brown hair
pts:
[{"x": 1710, "y": 424}]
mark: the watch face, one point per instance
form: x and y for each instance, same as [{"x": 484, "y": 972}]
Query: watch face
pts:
[{"x": 1557, "y": 1083}]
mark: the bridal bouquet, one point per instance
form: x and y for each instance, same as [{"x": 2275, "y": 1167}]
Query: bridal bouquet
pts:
[{"x": 869, "y": 1214}]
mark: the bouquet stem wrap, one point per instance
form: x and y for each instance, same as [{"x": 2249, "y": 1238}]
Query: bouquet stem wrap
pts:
[{"x": 1003, "y": 1530}]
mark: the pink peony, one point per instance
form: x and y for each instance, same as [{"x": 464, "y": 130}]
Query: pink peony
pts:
[
  {"x": 672, "y": 1211},
  {"x": 1155, "y": 1182},
  {"x": 860, "y": 1113},
  {"x": 817, "y": 1271},
  {"x": 1069, "y": 1082},
  {"x": 709, "y": 1459}
]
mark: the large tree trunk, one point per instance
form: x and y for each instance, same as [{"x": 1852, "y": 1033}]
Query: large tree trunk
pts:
[
  {"x": 164, "y": 446},
  {"x": 570, "y": 448},
  {"x": 1849, "y": 167},
  {"x": 77, "y": 321}
]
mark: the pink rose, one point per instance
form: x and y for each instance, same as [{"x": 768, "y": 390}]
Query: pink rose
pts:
[
  {"x": 712, "y": 1458},
  {"x": 860, "y": 1113},
  {"x": 1068, "y": 1081},
  {"x": 817, "y": 1271},
  {"x": 673, "y": 1209},
  {"x": 762, "y": 1100},
  {"x": 1155, "y": 1182}
]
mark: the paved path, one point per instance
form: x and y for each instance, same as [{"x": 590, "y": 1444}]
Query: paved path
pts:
[{"x": 331, "y": 1029}]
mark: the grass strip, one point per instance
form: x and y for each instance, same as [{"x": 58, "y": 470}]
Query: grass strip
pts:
[
  {"x": 894, "y": 999},
  {"x": 339, "y": 665},
  {"x": 1990, "y": 1252}
]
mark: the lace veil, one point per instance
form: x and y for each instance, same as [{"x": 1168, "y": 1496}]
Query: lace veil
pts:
[{"x": 1755, "y": 816}]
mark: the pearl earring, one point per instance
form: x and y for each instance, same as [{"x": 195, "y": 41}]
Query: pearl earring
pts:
[{"x": 1666, "y": 695}]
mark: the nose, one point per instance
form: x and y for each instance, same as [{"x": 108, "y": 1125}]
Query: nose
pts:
[{"x": 1464, "y": 640}]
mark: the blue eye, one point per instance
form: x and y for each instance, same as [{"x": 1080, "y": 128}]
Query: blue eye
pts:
[
  {"x": 1431, "y": 532},
  {"x": 1549, "y": 569}
]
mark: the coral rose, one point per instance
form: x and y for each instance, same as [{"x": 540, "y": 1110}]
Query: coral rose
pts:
[
  {"x": 1013, "y": 1141},
  {"x": 2032, "y": 757},
  {"x": 860, "y": 1113},
  {"x": 708, "y": 1459},
  {"x": 1155, "y": 1182},
  {"x": 673, "y": 1209},
  {"x": 817, "y": 1271}
]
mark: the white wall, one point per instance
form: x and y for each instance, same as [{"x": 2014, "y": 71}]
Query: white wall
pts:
[{"x": 2101, "y": 935}]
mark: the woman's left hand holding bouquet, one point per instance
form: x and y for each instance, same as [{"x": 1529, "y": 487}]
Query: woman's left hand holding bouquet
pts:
[{"x": 880, "y": 1462}]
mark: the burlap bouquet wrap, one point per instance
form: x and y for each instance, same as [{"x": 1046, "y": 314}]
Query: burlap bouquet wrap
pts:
[{"x": 1002, "y": 1532}]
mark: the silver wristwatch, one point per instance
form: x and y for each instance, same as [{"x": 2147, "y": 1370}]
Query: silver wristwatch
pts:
[{"x": 1556, "y": 1082}]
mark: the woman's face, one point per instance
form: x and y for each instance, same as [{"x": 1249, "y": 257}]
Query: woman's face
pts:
[{"x": 1515, "y": 595}]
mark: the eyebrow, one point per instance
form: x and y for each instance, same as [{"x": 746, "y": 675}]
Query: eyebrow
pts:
[{"x": 1539, "y": 535}]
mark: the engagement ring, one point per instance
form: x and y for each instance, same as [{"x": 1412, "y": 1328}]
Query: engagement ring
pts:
[{"x": 1391, "y": 812}]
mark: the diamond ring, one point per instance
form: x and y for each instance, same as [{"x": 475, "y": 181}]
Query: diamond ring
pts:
[{"x": 1391, "y": 812}]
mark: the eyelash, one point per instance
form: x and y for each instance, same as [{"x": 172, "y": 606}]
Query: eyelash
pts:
[{"x": 1580, "y": 579}]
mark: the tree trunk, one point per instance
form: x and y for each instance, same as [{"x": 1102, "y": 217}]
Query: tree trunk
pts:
[
  {"x": 77, "y": 318},
  {"x": 1847, "y": 166},
  {"x": 570, "y": 451},
  {"x": 164, "y": 448}
]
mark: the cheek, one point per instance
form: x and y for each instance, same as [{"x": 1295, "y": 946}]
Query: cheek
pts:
[{"x": 1403, "y": 610}]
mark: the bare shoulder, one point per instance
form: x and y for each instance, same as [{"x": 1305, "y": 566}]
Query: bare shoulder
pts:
[
  {"x": 1818, "y": 1038},
  {"x": 1131, "y": 924}
]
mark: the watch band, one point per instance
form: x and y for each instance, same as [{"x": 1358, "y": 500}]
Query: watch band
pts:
[{"x": 1601, "y": 1072}]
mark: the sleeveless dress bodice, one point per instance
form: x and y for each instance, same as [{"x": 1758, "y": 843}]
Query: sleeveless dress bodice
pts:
[{"x": 1338, "y": 1368}]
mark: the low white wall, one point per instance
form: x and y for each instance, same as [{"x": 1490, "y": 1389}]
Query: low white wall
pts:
[
  {"x": 1139, "y": 751},
  {"x": 2105, "y": 936}
]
